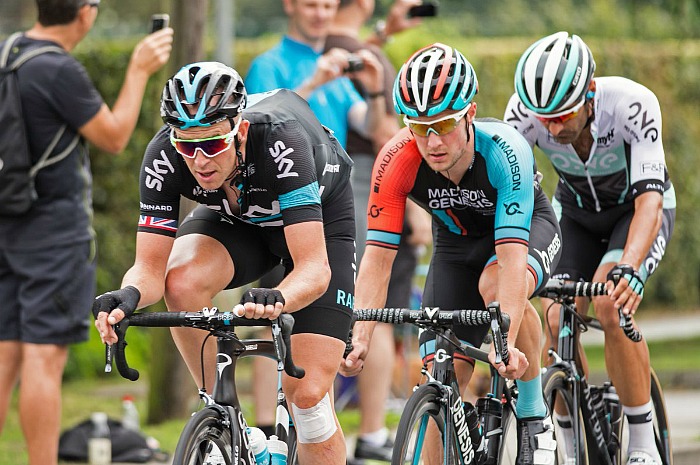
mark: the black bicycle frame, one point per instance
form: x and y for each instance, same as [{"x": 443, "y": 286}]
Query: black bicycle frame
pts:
[
  {"x": 444, "y": 374},
  {"x": 568, "y": 340}
]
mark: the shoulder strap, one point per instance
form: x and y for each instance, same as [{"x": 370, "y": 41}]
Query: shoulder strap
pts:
[
  {"x": 4, "y": 55},
  {"x": 45, "y": 161}
]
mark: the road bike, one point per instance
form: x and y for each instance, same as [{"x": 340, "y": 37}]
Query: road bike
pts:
[
  {"x": 599, "y": 427},
  {"x": 216, "y": 434},
  {"x": 438, "y": 401}
]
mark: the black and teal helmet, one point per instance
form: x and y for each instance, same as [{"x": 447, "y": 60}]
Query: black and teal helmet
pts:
[
  {"x": 201, "y": 94},
  {"x": 553, "y": 74},
  {"x": 435, "y": 79}
]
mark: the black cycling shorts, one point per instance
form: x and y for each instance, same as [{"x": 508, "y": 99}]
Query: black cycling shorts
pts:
[
  {"x": 458, "y": 261},
  {"x": 591, "y": 239},
  {"x": 256, "y": 250}
]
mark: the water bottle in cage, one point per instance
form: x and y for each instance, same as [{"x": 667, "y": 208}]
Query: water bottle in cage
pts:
[
  {"x": 490, "y": 411},
  {"x": 475, "y": 432},
  {"x": 613, "y": 409},
  {"x": 599, "y": 409}
]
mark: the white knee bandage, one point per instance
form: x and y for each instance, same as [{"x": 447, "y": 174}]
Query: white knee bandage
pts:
[{"x": 315, "y": 424}]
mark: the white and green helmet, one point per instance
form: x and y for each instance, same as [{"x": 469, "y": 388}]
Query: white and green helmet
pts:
[{"x": 553, "y": 74}]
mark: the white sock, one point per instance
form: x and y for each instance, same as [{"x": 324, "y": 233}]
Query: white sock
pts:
[
  {"x": 377, "y": 438},
  {"x": 641, "y": 429},
  {"x": 565, "y": 433}
]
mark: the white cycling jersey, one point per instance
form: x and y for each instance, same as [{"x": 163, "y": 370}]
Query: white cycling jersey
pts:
[{"x": 627, "y": 155}]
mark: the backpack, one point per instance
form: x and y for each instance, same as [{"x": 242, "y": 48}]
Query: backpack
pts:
[
  {"x": 127, "y": 445},
  {"x": 17, "y": 191}
]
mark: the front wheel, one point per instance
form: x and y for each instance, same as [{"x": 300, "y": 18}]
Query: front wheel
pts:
[
  {"x": 558, "y": 394},
  {"x": 205, "y": 440},
  {"x": 420, "y": 438}
]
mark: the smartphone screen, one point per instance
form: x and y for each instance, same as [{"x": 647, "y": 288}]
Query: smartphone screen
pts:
[
  {"x": 159, "y": 22},
  {"x": 425, "y": 9}
]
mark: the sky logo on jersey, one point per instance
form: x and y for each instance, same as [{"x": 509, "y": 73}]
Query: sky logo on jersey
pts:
[
  {"x": 155, "y": 175},
  {"x": 279, "y": 153},
  {"x": 152, "y": 222}
]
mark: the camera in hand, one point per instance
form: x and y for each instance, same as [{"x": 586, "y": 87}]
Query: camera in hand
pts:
[
  {"x": 355, "y": 63},
  {"x": 424, "y": 9},
  {"x": 159, "y": 21}
]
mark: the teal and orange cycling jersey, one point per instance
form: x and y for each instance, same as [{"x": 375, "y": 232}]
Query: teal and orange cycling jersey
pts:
[{"x": 495, "y": 196}]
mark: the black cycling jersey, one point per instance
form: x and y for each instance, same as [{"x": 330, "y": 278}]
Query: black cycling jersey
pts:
[{"x": 277, "y": 187}]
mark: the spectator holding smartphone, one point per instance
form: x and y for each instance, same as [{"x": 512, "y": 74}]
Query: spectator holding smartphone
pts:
[
  {"x": 374, "y": 383},
  {"x": 48, "y": 279}
]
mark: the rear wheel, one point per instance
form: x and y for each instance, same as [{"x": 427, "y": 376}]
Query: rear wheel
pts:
[
  {"x": 205, "y": 440},
  {"x": 558, "y": 394},
  {"x": 420, "y": 438}
]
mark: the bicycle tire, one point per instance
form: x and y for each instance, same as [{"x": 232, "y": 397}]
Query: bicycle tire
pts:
[
  {"x": 556, "y": 384},
  {"x": 508, "y": 451},
  {"x": 204, "y": 440},
  {"x": 423, "y": 406},
  {"x": 292, "y": 453},
  {"x": 662, "y": 435}
]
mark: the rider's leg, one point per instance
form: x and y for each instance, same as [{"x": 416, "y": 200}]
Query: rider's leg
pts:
[
  {"x": 199, "y": 268},
  {"x": 530, "y": 401},
  {"x": 310, "y": 399},
  {"x": 629, "y": 369}
]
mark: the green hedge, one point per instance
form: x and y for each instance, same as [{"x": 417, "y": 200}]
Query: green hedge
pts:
[{"x": 671, "y": 69}]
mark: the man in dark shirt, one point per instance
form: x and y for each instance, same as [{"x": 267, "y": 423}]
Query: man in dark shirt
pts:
[{"x": 47, "y": 256}]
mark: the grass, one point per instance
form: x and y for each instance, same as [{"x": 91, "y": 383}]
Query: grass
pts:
[{"x": 80, "y": 398}]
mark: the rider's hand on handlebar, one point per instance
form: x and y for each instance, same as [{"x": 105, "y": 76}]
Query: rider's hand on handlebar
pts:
[
  {"x": 353, "y": 364},
  {"x": 517, "y": 363},
  {"x": 626, "y": 288},
  {"x": 111, "y": 307},
  {"x": 259, "y": 303}
]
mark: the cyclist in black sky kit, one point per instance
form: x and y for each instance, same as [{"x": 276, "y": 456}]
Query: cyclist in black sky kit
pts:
[{"x": 274, "y": 187}]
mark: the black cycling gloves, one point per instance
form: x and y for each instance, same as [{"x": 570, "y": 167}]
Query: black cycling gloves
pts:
[
  {"x": 630, "y": 274},
  {"x": 262, "y": 296},
  {"x": 126, "y": 299}
]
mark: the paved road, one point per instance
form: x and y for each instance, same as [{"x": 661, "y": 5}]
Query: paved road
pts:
[{"x": 683, "y": 326}]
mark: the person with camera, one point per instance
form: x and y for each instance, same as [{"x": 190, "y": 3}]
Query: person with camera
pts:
[
  {"x": 47, "y": 255},
  {"x": 495, "y": 234},
  {"x": 615, "y": 201},
  {"x": 375, "y": 381},
  {"x": 298, "y": 62},
  {"x": 255, "y": 211}
]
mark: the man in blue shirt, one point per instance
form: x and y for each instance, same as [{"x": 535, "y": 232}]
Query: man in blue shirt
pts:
[{"x": 298, "y": 63}]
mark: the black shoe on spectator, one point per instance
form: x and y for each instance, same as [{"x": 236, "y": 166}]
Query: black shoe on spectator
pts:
[{"x": 365, "y": 450}]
